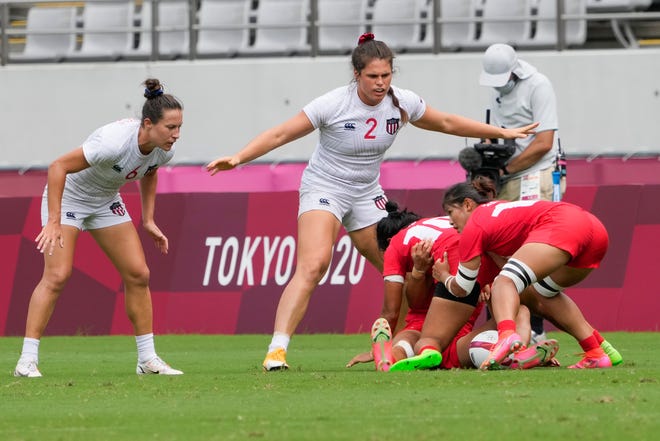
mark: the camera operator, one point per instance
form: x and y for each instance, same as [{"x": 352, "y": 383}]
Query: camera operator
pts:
[{"x": 521, "y": 95}]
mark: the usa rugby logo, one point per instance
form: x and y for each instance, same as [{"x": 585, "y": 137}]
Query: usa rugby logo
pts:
[
  {"x": 117, "y": 209},
  {"x": 380, "y": 202},
  {"x": 392, "y": 126}
]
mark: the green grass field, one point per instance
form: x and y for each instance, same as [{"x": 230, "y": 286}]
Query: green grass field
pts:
[{"x": 90, "y": 392}]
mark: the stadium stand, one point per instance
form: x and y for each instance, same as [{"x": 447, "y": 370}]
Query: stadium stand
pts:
[
  {"x": 501, "y": 31},
  {"x": 339, "y": 22},
  {"x": 281, "y": 28},
  {"x": 212, "y": 38},
  {"x": 173, "y": 19},
  {"x": 618, "y": 5},
  {"x": 112, "y": 30},
  {"x": 575, "y": 31},
  {"x": 386, "y": 14},
  {"x": 455, "y": 35},
  {"x": 105, "y": 31},
  {"x": 43, "y": 46}
]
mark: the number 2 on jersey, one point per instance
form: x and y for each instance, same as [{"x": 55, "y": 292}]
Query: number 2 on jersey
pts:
[{"x": 373, "y": 123}]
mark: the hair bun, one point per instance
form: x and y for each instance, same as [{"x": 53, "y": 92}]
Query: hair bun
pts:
[
  {"x": 391, "y": 206},
  {"x": 153, "y": 93},
  {"x": 367, "y": 36}
]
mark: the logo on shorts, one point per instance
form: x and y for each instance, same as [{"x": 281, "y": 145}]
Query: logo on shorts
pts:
[
  {"x": 324, "y": 201},
  {"x": 117, "y": 168},
  {"x": 380, "y": 202},
  {"x": 349, "y": 126},
  {"x": 392, "y": 126},
  {"x": 117, "y": 209},
  {"x": 70, "y": 215}
]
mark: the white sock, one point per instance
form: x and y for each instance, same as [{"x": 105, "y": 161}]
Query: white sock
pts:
[
  {"x": 30, "y": 349},
  {"x": 280, "y": 340},
  {"x": 145, "y": 347}
]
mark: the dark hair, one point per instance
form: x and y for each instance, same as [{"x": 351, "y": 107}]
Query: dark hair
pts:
[
  {"x": 368, "y": 49},
  {"x": 157, "y": 101},
  {"x": 395, "y": 221},
  {"x": 481, "y": 189}
]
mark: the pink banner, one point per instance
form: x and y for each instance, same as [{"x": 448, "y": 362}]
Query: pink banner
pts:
[{"x": 233, "y": 239}]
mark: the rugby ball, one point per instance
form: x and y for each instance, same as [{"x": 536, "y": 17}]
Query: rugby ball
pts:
[{"x": 481, "y": 345}]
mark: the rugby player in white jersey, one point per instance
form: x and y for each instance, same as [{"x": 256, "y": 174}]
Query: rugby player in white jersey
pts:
[
  {"x": 82, "y": 194},
  {"x": 357, "y": 123}
]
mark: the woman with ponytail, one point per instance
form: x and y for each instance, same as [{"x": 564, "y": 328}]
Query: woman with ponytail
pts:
[
  {"x": 82, "y": 194},
  {"x": 357, "y": 123}
]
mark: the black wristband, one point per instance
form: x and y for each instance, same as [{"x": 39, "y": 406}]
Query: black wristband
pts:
[{"x": 504, "y": 170}]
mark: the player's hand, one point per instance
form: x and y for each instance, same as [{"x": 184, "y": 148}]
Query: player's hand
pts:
[
  {"x": 364, "y": 357},
  {"x": 441, "y": 268},
  {"x": 484, "y": 295},
  {"x": 220, "y": 164},
  {"x": 520, "y": 132},
  {"x": 421, "y": 255},
  {"x": 50, "y": 235},
  {"x": 160, "y": 240}
]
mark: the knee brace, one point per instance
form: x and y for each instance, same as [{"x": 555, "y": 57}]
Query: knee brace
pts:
[
  {"x": 521, "y": 275},
  {"x": 548, "y": 287}
]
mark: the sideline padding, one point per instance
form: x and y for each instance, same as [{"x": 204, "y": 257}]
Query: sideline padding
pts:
[{"x": 232, "y": 250}]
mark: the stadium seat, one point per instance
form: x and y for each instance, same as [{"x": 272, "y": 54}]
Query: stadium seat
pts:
[
  {"x": 107, "y": 30},
  {"x": 456, "y": 35},
  {"x": 509, "y": 32},
  {"x": 546, "y": 23},
  {"x": 218, "y": 13},
  {"x": 41, "y": 46},
  {"x": 400, "y": 37},
  {"x": 282, "y": 28},
  {"x": 173, "y": 18},
  {"x": 331, "y": 14}
]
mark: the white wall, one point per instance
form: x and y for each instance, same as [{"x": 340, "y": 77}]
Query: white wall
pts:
[{"x": 609, "y": 101}]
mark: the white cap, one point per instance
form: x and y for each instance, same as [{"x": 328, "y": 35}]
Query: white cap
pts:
[{"x": 498, "y": 63}]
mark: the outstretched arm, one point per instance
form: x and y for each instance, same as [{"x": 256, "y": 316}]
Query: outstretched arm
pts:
[
  {"x": 452, "y": 124},
  {"x": 288, "y": 131}
]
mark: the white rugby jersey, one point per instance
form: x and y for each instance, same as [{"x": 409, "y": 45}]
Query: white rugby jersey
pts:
[
  {"x": 114, "y": 157},
  {"x": 353, "y": 136}
]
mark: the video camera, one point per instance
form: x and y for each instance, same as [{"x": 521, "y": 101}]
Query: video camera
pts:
[{"x": 487, "y": 159}]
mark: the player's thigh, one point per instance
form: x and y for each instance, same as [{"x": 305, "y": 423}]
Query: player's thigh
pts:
[
  {"x": 541, "y": 258},
  {"x": 122, "y": 245},
  {"x": 366, "y": 243},
  {"x": 317, "y": 232},
  {"x": 567, "y": 276},
  {"x": 445, "y": 318},
  {"x": 59, "y": 264}
]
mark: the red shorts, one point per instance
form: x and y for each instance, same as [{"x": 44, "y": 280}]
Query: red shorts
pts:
[
  {"x": 450, "y": 358},
  {"x": 415, "y": 319},
  {"x": 575, "y": 231}
]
